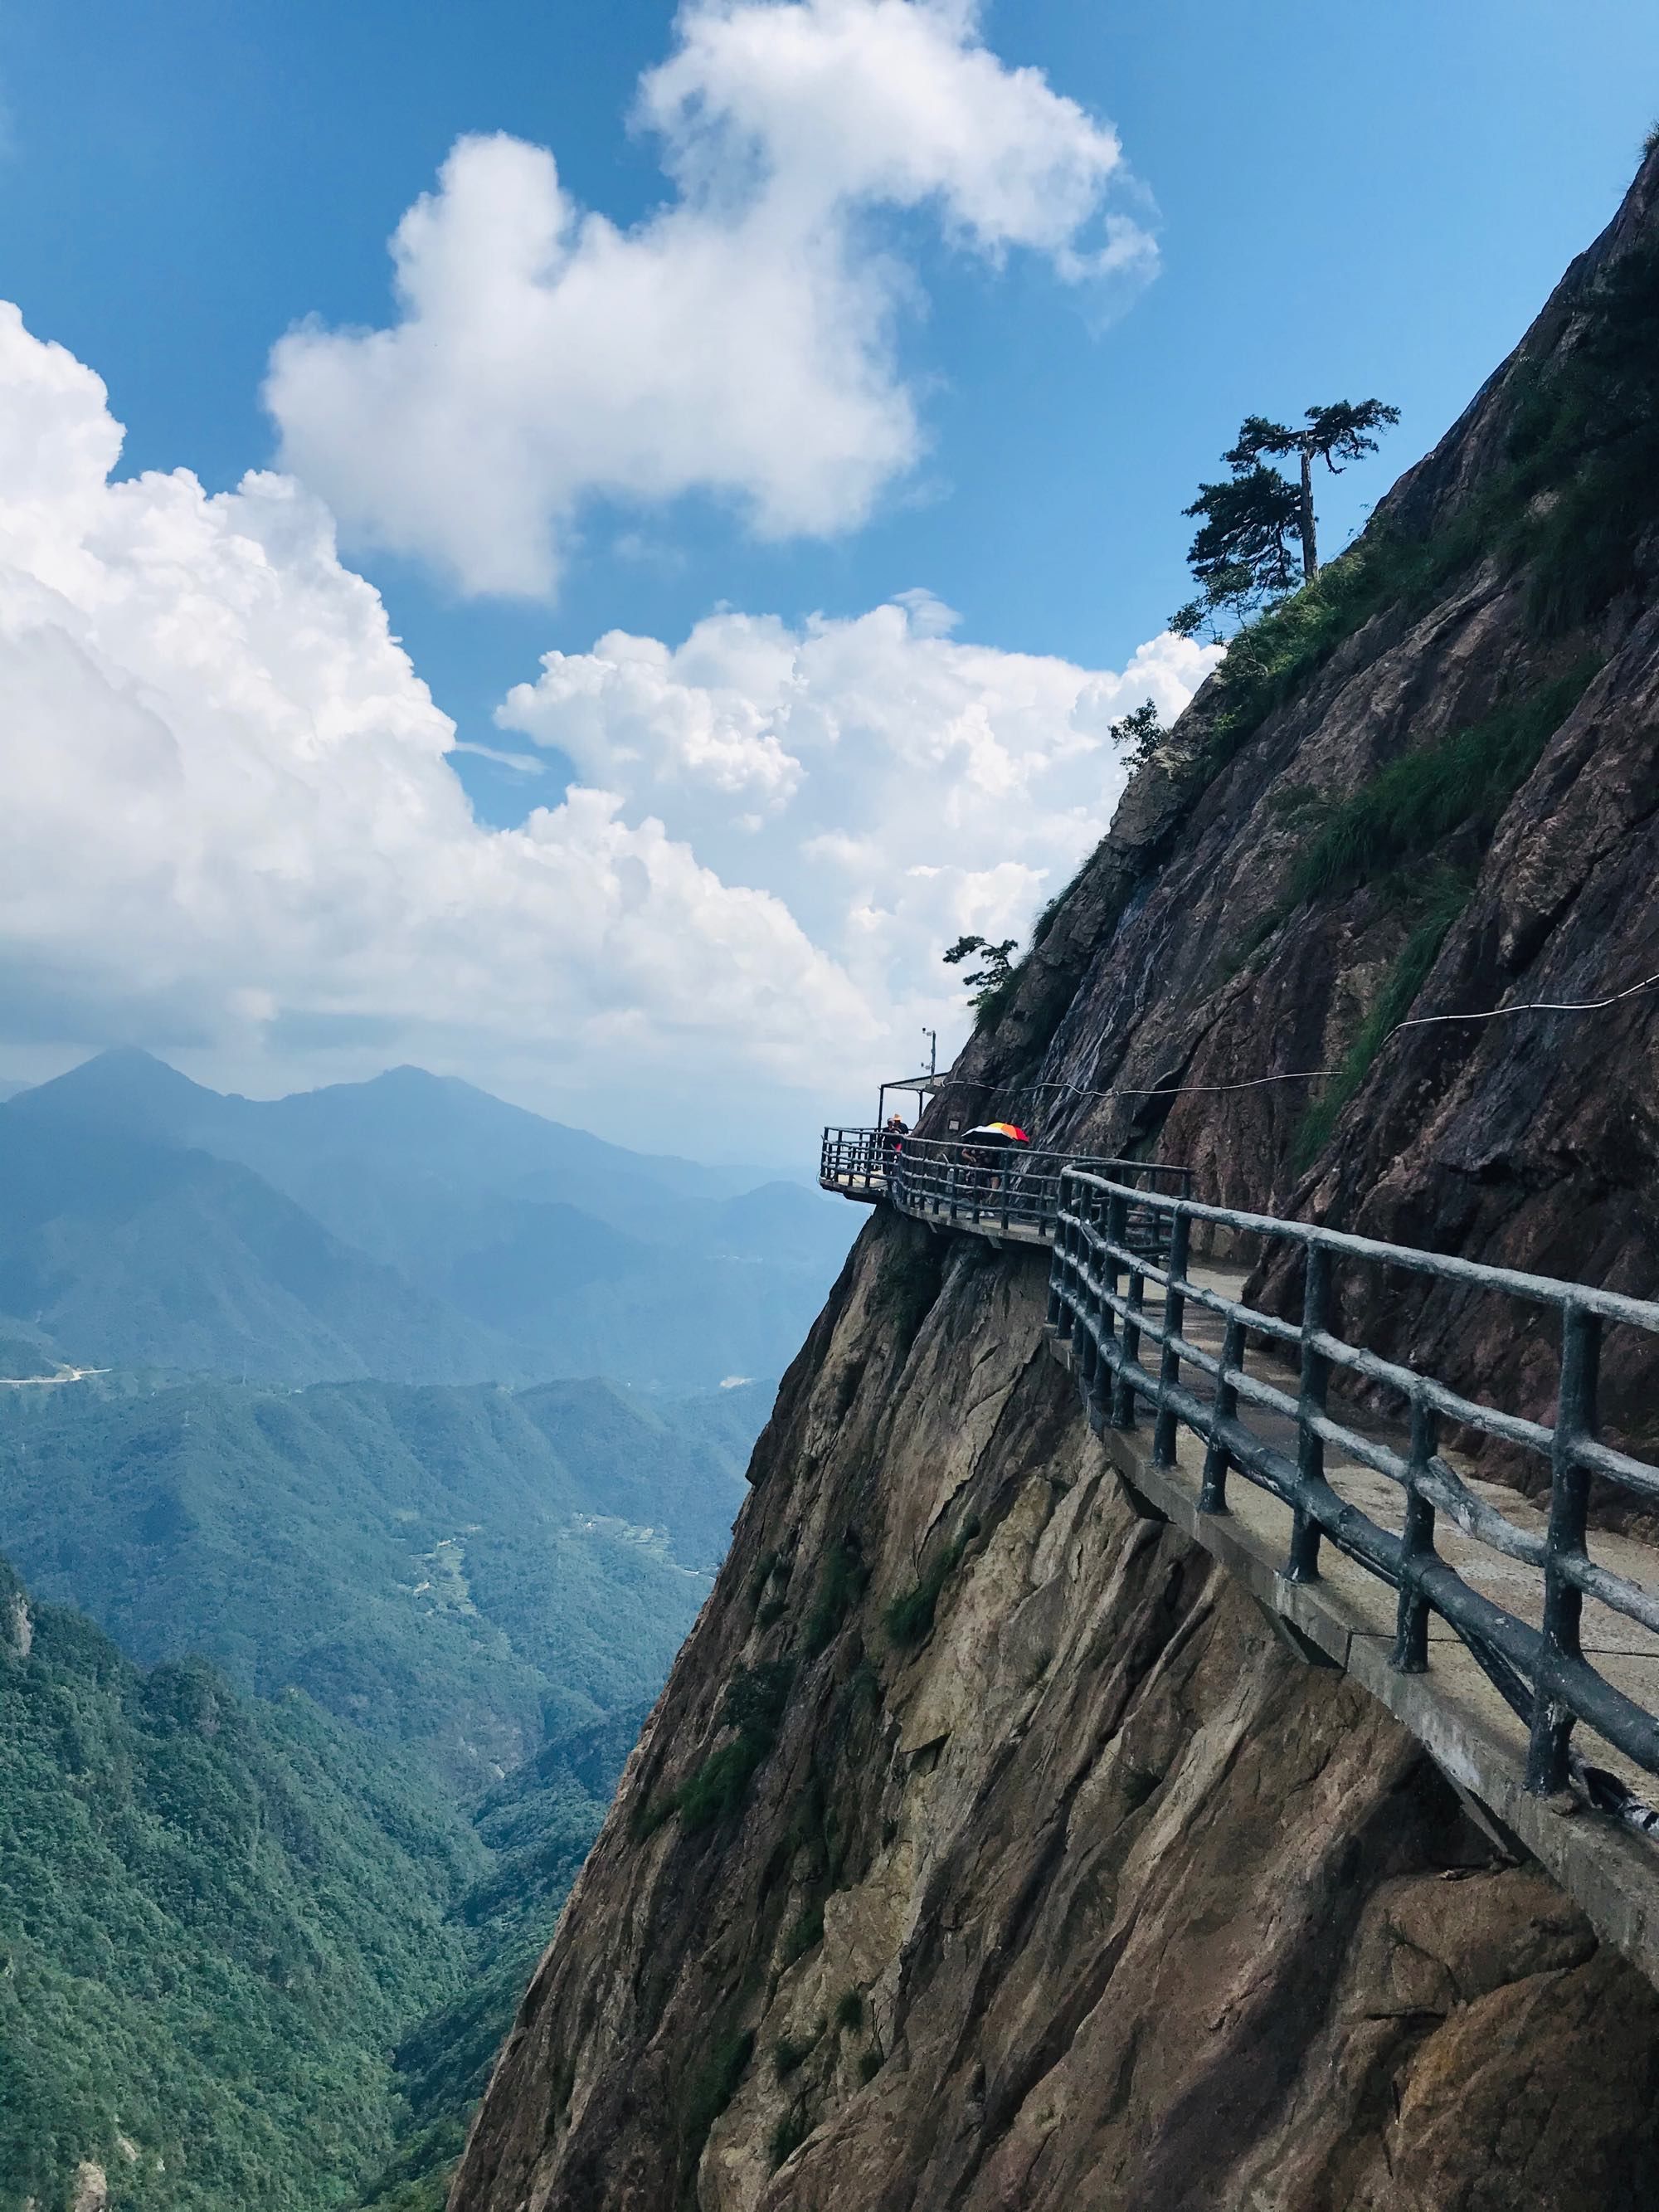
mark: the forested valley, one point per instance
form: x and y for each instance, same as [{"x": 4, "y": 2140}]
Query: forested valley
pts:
[{"x": 314, "y": 1692}]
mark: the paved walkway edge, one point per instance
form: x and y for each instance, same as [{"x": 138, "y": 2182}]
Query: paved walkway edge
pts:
[{"x": 1612, "y": 1874}]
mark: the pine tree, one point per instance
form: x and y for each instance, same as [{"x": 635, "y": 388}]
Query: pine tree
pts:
[{"x": 1258, "y": 526}]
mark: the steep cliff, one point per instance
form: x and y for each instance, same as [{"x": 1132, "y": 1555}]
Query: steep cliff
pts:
[
  {"x": 1428, "y": 786},
  {"x": 986, "y": 1849}
]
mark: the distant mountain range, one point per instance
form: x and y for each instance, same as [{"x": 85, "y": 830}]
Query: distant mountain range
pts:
[{"x": 410, "y": 1227}]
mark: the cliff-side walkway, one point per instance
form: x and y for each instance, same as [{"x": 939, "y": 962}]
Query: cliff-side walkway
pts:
[{"x": 1519, "y": 1645}]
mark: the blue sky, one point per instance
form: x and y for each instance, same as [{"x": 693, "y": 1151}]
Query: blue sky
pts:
[{"x": 1340, "y": 209}]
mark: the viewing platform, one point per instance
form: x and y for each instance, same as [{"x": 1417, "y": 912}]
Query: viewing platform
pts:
[{"x": 1350, "y": 1492}]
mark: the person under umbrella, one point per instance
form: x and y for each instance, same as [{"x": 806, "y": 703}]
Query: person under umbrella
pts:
[{"x": 983, "y": 1149}]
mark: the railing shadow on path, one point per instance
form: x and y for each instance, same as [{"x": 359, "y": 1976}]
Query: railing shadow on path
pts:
[
  {"x": 1570, "y": 1642},
  {"x": 1111, "y": 1301}
]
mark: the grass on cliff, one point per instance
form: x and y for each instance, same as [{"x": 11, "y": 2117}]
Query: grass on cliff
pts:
[
  {"x": 1585, "y": 452},
  {"x": 912, "y": 1276},
  {"x": 753, "y": 1709},
  {"x": 788, "y": 2056},
  {"x": 1447, "y": 897},
  {"x": 1388, "y": 833},
  {"x": 1270, "y": 659},
  {"x": 790, "y": 2133},
  {"x": 711, "y": 2089},
  {"x": 843, "y": 1584},
  {"x": 910, "y": 1619},
  {"x": 1453, "y": 791},
  {"x": 1463, "y": 782}
]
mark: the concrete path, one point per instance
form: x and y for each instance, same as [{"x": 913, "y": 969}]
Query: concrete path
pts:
[{"x": 1348, "y": 1618}]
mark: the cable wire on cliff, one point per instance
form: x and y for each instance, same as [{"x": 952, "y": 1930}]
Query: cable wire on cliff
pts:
[{"x": 1318, "y": 1074}]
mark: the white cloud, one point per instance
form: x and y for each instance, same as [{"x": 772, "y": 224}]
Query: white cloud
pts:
[
  {"x": 739, "y": 340},
  {"x": 229, "y": 819},
  {"x": 894, "y": 786},
  {"x": 231, "y": 828}
]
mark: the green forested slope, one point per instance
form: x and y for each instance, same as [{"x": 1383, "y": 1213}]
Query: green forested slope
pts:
[
  {"x": 456, "y": 1569},
  {"x": 221, "y": 1911},
  {"x": 538, "y": 1825},
  {"x": 488, "y": 1585},
  {"x": 215, "y": 1918}
]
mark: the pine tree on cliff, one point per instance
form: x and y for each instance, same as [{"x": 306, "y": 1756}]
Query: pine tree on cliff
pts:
[{"x": 1257, "y": 522}]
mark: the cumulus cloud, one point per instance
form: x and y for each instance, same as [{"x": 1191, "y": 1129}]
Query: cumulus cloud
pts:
[
  {"x": 896, "y": 787},
  {"x": 230, "y": 822},
  {"x": 739, "y": 340},
  {"x": 232, "y": 828}
]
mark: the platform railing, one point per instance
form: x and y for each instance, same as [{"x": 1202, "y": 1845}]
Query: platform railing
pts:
[
  {"x": 1101, "y": 1277},
  {"x": 1000, "y": 1192},
  {"x": 854, "y": 1161},
  {"x": 996, "y": 1191}
]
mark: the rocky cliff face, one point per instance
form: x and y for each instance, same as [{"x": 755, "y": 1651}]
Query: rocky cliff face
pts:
[
  {"x": 1431, "y": 788},
  {"x": 986, "y": 1848}
]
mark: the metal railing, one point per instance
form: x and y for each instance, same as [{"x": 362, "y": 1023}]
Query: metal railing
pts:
[
  {"x": 855, "y": 1161},
  {"x": 1098, "y": 1285},
  {"x": 996, "y": 1191}
]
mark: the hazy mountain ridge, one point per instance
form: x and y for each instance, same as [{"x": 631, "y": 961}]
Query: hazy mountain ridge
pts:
[
  {"x": 411, "y": 1226},
  {"x": 123, "y": 1252}
]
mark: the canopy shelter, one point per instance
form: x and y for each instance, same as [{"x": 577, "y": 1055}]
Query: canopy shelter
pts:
[{"x": 923, "y": 1087}]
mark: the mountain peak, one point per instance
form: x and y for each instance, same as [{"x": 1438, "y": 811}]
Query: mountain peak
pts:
[{"x": 127, "y": 1087}]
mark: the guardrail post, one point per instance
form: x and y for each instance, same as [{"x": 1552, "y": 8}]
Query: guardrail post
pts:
[
  {"x": 1168, "y": 1367},
  {"x": 1086, "y": 1317},
  {"x": 950, "y": 1187},
  {"x": 1213, "y": 1490},
  {"x": 1411, "y": 1639},
  {"x": 1062, "y": 1268},
  {"x": 1101, "y": 1323},
  {"x": 1564, "y": 1605},
  {"x": 1123, "y": 1394},
  {"x": 1303, "y": 1563},
  {"x": 1105, "y": 1267}
]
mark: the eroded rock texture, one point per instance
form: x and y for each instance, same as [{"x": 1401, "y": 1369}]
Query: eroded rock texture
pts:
[
  {"x": 986, "y": 1849},
  {"x": 1121, "y": 1905}
]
